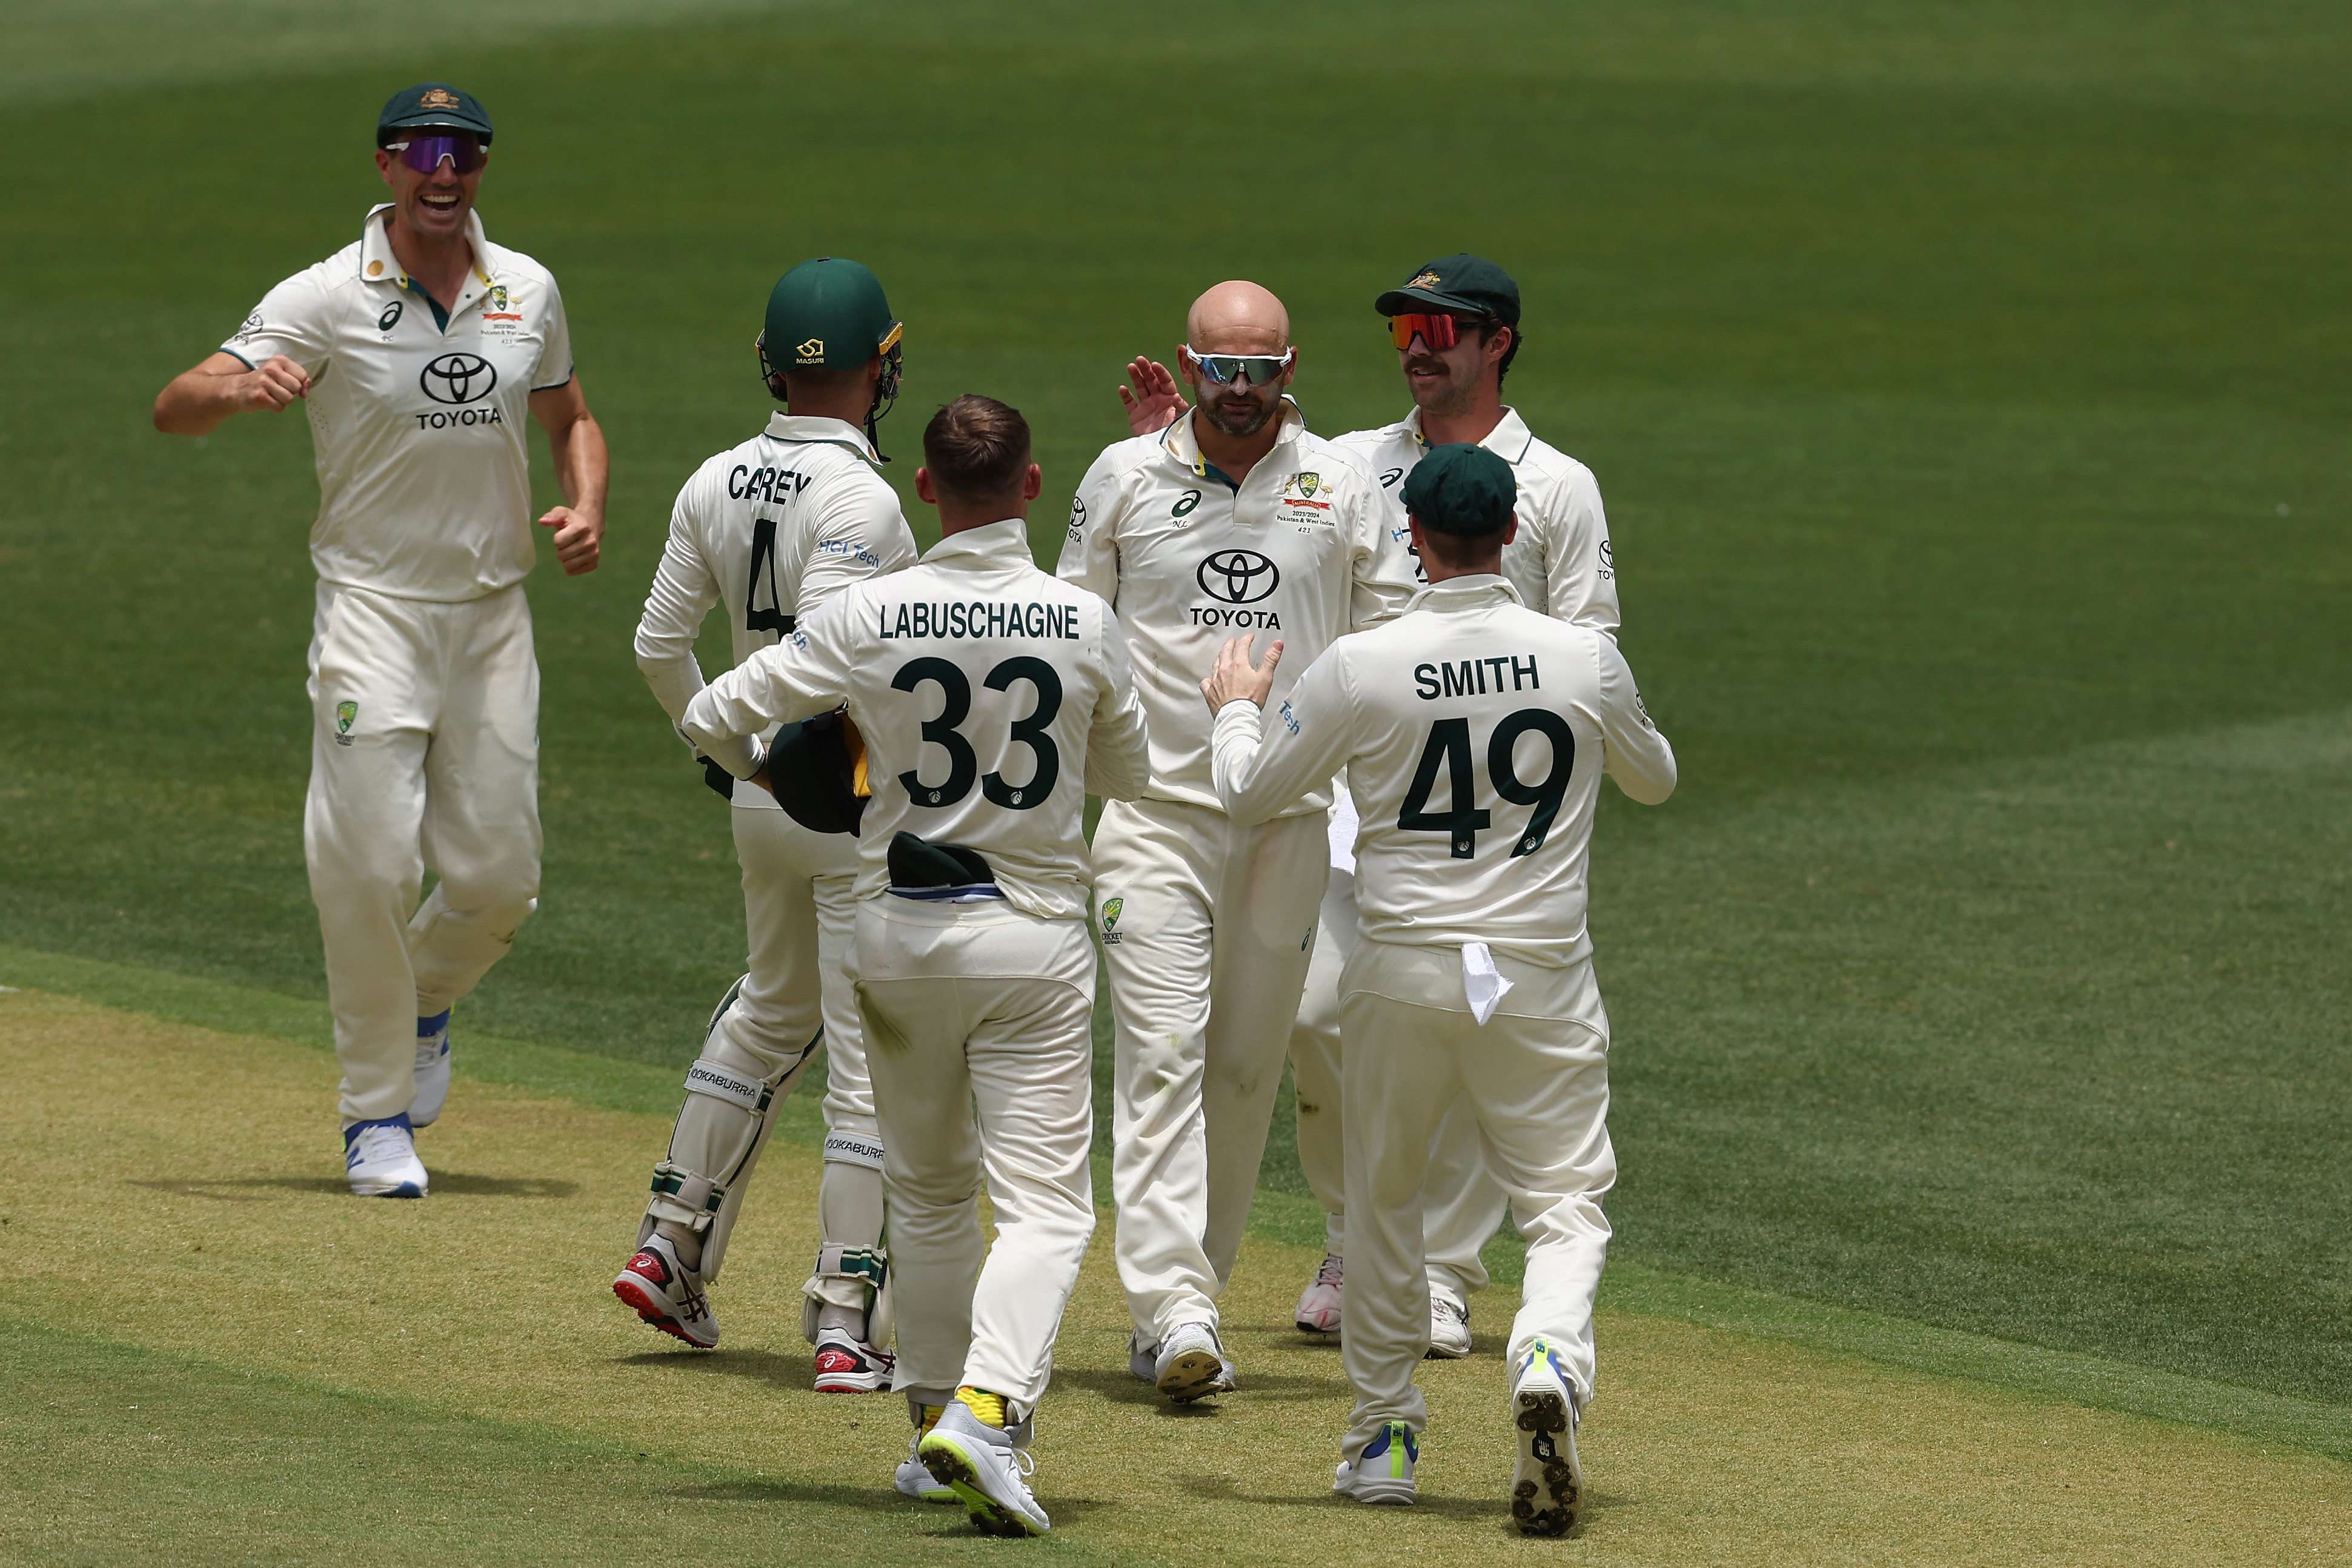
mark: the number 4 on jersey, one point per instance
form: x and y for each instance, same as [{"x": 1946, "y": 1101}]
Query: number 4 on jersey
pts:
[{"x": 1448, "y": 746}]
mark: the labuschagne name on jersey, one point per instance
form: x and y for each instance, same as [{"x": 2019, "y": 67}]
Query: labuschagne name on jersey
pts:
[
  {"x": 975, "y": 618},
  {"x": 1475, "y": 677}
]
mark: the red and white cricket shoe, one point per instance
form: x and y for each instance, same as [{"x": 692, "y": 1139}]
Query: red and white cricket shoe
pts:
[
  {"x": 848, "y": 1365},
  {"x": 663, "y": 1291}
]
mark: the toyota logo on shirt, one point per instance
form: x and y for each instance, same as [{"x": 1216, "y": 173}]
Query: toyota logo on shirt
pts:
[
  {"x": 458, "y": 378},
  {"x": 1237, "y": 576}
]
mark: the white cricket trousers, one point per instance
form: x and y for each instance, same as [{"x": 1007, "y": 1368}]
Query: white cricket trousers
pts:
[
  {"x": 1207, "y": 951},
  {"x": 800, "y": 917},
  {"x": 979, "y": 1023},
  {"x": 1536, "y": 1077},
  {"x": 424, "y": 754},
  {"x": 1461, "y": 1207}
]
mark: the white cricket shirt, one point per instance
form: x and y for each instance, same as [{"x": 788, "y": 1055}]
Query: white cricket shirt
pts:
[
  {"x": 417, "y": 425},
  {"x": 1187, "y": 560},
  {"x": 772, "y": 528},
  {"x": 991, "y": 696},
  {"x": 1474, "y": 732},
  {"x": 1560, "y": 562}
]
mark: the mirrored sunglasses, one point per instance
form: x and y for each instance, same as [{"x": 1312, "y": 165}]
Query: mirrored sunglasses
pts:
[
  {"x": 1223, "y": 370},
  {"x": 424, "y": 153},
  {"x": 1437, "y": 331}
]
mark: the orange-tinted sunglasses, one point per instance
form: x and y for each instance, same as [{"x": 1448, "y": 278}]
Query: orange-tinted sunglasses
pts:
[{"x": 1437, "y": 331}]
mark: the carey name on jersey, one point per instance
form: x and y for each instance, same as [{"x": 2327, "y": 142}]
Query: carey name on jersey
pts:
[{"x": 976, "y": 619}]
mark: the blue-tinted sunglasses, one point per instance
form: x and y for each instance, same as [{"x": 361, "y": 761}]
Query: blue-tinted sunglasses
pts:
[{"x": 1223, "y": 370}]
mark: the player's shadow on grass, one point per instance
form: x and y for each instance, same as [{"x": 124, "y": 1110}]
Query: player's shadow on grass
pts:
[
  {"x": 1122, "y": 1387},
  {"x": 777, "y": 1371},
  {"x": 445, "y": 1183},
  {"x": 869, "y": 1499}
]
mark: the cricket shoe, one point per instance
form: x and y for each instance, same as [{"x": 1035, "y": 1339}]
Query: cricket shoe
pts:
[
  {"x": 985, "y": 1471},
  {"x": 1449, "y": 1329},
  {"x": 663, "y": 1291},
  {"x": 1548, "y": 1490},
  {"x": 379, "y": 1160},
  {"x": 1142, "y": 1360},
  {"x": 917, "y": 1481},
  {"x": 1318, "y": 1304},
  {"x": 845, "y": 1364},
  {"x": 1191, "y": 1364},
  {"x": 432, "y": 1070},
  {"x": 1383, "y": 1473}
]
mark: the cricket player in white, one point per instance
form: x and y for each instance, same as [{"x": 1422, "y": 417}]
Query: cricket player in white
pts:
[
  {"x": 773, "y": 528},
  {"x": 989, "y": 698},
  {"x": 418, "y": 350},
  {"x": 1232, "y": 517},
  {"x": 1474, "y": 732},
  {"x": 1455, "y": 323}
]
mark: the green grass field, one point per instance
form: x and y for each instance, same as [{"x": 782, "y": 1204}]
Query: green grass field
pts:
[{"x": 1969, "y": 385}]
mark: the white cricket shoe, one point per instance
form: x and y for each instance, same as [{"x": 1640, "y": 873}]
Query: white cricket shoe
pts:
[
  {"x": 1191, "y": 1364},
  {"x": 1142, "y": 1360},
  {"x": 915, "y": 1481},
  {"x": 379, "y": 1160},
  {"x": 1318, "y": 1304},
  {"x": 1449, "y": 1329},
  {"x": 985, "y": 1471},
  {"x": 1547, "y": 1489},
  {"x": 1383, "y": 1473},
  {"x": 432, "y": 1070},
  {"x": 846, "y": 1365},
  {"x": 666, "y": 1294}
]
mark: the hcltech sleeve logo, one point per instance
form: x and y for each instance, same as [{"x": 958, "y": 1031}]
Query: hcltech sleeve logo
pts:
[{"x": 458, "y": 379}]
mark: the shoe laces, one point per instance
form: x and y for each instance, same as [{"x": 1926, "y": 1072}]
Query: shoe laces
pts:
[
  {"x": 1328, "y": 1274},
  {"x": 1453, "y": 1309}
]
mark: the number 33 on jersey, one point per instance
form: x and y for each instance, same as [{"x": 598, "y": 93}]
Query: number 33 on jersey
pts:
[
  {"x": 991, "y": 696},
  {"x": 1474, "y": 733}
]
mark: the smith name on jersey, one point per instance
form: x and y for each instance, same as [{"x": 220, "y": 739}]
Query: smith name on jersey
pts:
[
  {"x": 1474, "y": 733},
  {"x": 992, "y": 697},
  {"x": 1561, "y": 562},
  {"x": 417, "y": 414},
  {"x": 773, "y": 528},
  {"x": 1187, "y": 559}
]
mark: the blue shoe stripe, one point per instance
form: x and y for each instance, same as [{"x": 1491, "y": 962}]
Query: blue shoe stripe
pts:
[{"x": 426, "y": 1028}]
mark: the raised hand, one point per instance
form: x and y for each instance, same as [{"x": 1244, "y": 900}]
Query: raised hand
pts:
[
  {"x": 1235, "y": 680},
  {"x": 1154, "y": 404}
]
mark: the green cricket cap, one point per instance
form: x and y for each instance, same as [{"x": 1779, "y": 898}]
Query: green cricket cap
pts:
[
  {"x": 1461, "y": 488},
  {"x": 827, "y": 313},
  {"x": 1461, "y": 285},
  {"x": 434, "y": 103}
]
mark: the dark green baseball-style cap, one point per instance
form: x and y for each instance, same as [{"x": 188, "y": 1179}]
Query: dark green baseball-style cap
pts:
[
  {"x": 434, "y": 103},
  {"x": 1461, "y": 488},
  {"x": 829, "y": 312},
  {"x": 1463, "y": 285}
]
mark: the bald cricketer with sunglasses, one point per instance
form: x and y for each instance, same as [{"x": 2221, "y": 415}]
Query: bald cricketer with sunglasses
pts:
[
  {"x": 1455, "y": 323},
  {"x": 417, "y": 351},
  {"x": 1234, "y": 518}
]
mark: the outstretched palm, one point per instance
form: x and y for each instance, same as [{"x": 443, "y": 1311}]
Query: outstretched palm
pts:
[{"x": 1154, "y": 404}]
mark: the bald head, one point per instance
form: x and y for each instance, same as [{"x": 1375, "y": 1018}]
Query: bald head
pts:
[{"x": 1238, "y": 318}]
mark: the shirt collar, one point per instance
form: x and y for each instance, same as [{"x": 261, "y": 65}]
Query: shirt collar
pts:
[
  {"x": 1509, "y": 440},
  {"x": 378, "y": 265},
  {"x": 1477, "y": 590},
  {"x": 783, "y": 426},
  {"x": 1004, "y": 544},
  {"x": 1179, "y": 442}
]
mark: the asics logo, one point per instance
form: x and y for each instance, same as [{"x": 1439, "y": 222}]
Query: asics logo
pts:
[
  {"x": 457, "y": 378},
  {"x": 1237, "y": 576}
]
